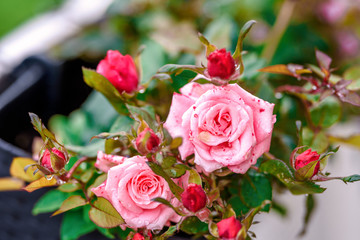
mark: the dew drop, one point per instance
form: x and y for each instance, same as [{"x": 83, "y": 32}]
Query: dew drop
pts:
[{"x": 196, "y": 116}]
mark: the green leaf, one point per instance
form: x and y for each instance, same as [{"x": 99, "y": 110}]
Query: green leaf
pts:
[
  {"x": 282, "y": 172},
  {"x": 177, "y": 69},
  {"x": 238, "y": 205},
  {"x": 122, "y": 124},
  {"x": 239, "y": 46},
  {"x": 318, "y": 142},
  {"x": 69, "y": 187},
  {"x": 192, "y": 225},
  {"x": 209, "y": 47},
  {"x": 327, "y": 113},
  {"x": 194, "y": 177},
  {"x": 145, "y": 114},
  {"x": 103, "y": 85},
  {"x": 74, "y": 225},
  {"x": 103, "y": 214},
  {"x": 170, "y": 232},
  {"x": 352, "y": 178},
  {"x": 176, "y": 142},
  {"x": 353, "y": 73},
  {"x": 88, "y": 150},
  {"x": 157, "y": 169},
  {"x": 254, "y": 189},
  {"x": 167, "y": 203},
  {"x": 70, "y": 203},
  {"x": 49, "y": 202}
]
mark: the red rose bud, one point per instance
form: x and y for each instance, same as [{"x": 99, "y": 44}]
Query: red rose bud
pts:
[
  {"x": 138, "y": 236},
  {"x": 307, "y": 157},
  {"x": 220, "y": 64},
  {"x": 228, "y": 228},
  {"x": 120, "y": 71},
  {"x": 60, "y": 160},
  {"x": 147, "y": 141},
  {"x": 194, "y": 197}
]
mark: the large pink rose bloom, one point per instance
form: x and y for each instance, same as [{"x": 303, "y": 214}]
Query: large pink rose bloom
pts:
[
  {"x": 224, "y": 126},
  {"x": 130, "y": 186}
]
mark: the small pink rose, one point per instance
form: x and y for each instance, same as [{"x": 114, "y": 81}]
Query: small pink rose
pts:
[
  {"x": 106, "y": 161},
  {"x": 147, "y": 141},
  {"x": 220, "y": 64},
  {"x": 224, "y": 126},
  {"x": 194, "y": 197},
  {"x": 307, "y": 157},
  {"x": 130, "y": 187},
  {"x": 45, "y": 160},
  {"x": 138, "y": 236},
  {"x": 120, "y": 71},
  {"x": 228, "y": 228}
]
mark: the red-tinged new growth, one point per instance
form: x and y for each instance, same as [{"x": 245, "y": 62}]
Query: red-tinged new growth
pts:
[
  {"x": 120, "y": 71},
  {"x": 147, "y": 141},
  {"x": 307, "y": 157},
  {"x": 194, "y": 197},
  {"x": 221, "y": 64},
  {"x": 229, "y": 228},
  {"x": 45, "y": 160}
]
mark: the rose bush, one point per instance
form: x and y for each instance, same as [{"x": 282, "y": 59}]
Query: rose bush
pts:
[
  {"x": 120, "y": 71},
  {"x": 130, "y": 187},
  {"x": 224, "y": 126}
]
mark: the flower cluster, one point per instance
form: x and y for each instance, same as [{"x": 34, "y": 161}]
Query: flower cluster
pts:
[{"x": 203, "y": 166}]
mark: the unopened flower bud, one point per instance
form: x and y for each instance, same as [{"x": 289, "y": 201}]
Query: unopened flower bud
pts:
[
  {"x": 306, "y": 158},
  {"x": 220, "y": 64},
  {"x": 120, "y": 71},
  {"x": 147, "y": 141},
  {"x": 194, "y": 197},
  {"x": 229, "y": 228},
  {"x": 138, "y": 236},
  {"x": 55, "y": 165}
]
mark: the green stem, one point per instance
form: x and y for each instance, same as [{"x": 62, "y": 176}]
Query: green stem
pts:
[{"x": 276, "y": 33}]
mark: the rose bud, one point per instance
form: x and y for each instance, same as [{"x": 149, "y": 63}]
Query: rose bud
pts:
[
  {"x": 138, "y": 236},
  {"x": 120, "y": 71},
  {"x": 60, "y": 160},
  {"x": 147, "y": 141},
  {"x": 228, "y": 228},
  {"x": 220, "y": 64},
  {"x": 307, "y": 157},
  {"x": 194, "y": 197}
]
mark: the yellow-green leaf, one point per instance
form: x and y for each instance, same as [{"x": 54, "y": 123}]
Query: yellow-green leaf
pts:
[
  {"x": 352, "y": 140},
  {"x": 103, "y": 214},
  {"x": 70, "y": 203},
  {"x": 40, "y": 183},
  {"x": 17, "y": 169},
  {"x": 10, "y": 184}
]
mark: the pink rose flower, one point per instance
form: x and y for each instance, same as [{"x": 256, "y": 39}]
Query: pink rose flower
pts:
[
  {"x": 194, "y": 197},
  {"x": 106, "y": 161},
  {"x": 220, "y": 64},
  {"x": 130, "y": 187},
  {"x": 45, "y": 160},
  {"x": 228, "y": 228},
  {"x": 224, "y": 126},
  {"x": 307, "y": 157},
  {"x": 120, "y": 71},
  {"x": 138, "y": 236}
]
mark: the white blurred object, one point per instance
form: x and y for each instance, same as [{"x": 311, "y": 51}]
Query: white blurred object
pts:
[{"x": 44, "y": 31}]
